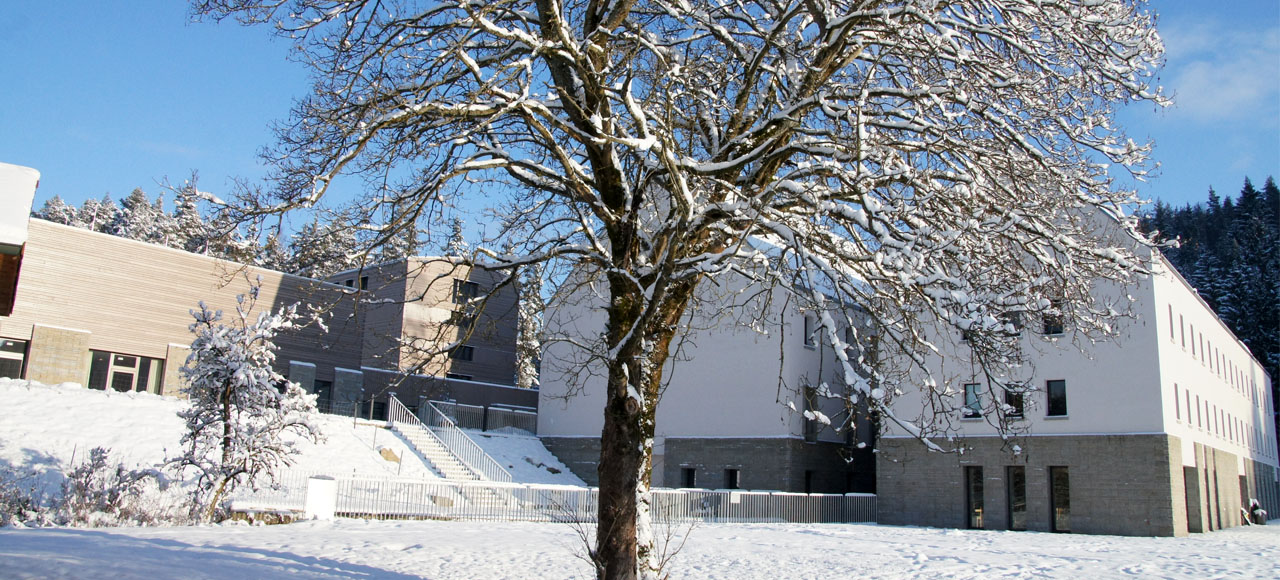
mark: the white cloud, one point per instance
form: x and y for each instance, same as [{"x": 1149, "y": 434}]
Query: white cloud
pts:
[{"x": 1222, "y": 73}]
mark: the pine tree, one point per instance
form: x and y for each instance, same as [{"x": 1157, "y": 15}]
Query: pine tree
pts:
[
  {"x": 58, "y": 212},
  {"x": 456, "y": 245},
  {"x": 529, "y": 326},
  {"x": 321, "y": 250},
  {"x": 137, "y": 219},
  {"x": 97, "y": 215},
  {"x": 188, "y": 230}
]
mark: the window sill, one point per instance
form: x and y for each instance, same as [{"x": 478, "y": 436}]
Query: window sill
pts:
[
  {"x": 810, "y": 347},
  {"x": 1056, "y": 417},
  {"x": 971, "y": 419}
]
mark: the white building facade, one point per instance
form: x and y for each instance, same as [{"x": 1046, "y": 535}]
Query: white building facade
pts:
[
  {"x": 733, "y": 413},
  {"x": 1164, "y": 430}
]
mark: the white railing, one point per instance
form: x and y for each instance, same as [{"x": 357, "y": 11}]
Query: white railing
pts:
[
  {"x": 464, "y": 416},
  {"x": 512, "y": 418},
  {"x": 462, "y": 447},
  {"x": 388, "y": 498}
]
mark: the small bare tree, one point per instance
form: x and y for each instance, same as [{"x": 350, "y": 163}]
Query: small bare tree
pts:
[
  {"x": 932, "y": 162},
  {"x": 243, "y": 417}
]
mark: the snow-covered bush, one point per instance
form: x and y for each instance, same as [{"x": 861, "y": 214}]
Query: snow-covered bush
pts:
[
  {"x": 101, "y": 492},
  {"x": 22, "y": 499},
  {"x": 244, "y": 416}
]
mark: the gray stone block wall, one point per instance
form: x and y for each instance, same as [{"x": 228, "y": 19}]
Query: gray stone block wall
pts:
[
  {"x": 1121, "y": 485},
  {"x": 58, "y": 355},
  {"x": 304, "y": 374},
  {"x": 348, "y": 385},
  {"x": 762, "y": 464},
  {"x": 580, "y": 454}
]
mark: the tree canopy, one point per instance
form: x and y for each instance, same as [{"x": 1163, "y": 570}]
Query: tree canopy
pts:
[{"x": 925, "y": 160}]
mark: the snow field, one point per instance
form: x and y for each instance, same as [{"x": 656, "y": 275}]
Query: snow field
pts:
[{"x": 518, "y": 550}]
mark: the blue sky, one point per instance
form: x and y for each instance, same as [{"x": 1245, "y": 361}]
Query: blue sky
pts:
[{"x": 104, "y": 96}]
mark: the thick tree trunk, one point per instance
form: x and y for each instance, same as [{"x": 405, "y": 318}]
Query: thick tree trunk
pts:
[{"x": 624, "y": 539}]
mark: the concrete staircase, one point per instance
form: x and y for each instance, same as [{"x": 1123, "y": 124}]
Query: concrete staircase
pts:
[{"x": 441, "y": 460}]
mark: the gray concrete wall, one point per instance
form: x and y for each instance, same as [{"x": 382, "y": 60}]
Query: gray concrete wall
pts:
[
  {"x": 580, "y": 454},
  {"x": 1119, "y": 484}
]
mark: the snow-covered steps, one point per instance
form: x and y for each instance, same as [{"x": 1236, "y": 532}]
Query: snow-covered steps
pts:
[{"x": 429, "y": 447}]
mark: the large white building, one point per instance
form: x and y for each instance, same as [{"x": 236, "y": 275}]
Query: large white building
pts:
[
  {"x": 732, "y": 415},
  {"x": 1165, "y": 430}
]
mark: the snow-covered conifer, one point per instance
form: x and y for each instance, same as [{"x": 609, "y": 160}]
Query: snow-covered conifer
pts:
[
  {"x": 529, "y": 326},
  {"x": 58, "y": 212},
  {"x": 98, "y": 215},
  {"x": 137, "y": 219},
  {"x": 456, "y": 245},
  {"x": 244, "y": 417}
]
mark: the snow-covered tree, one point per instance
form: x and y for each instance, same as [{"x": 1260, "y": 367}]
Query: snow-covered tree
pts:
[
  {"x": 529, "y": 325},
  {"x": 138, "y": 219},
  {"x": 58, "y": 212},
  {"x": 188, "y": 229},
  {"x": 320, "y": 250},
  {"x": 931, "y": 162},
  {"x": 97, "y": 215},
  {"x": 456, "y": 245},
  {"x": 244, "y": 417}
]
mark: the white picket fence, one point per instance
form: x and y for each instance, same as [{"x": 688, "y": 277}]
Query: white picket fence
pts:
[{"x": 385, "y": 498}]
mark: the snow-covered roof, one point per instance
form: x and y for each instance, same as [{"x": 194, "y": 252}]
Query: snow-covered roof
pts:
[{"x": 17, "y": 191}]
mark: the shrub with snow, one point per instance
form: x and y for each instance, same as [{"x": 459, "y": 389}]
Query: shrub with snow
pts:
[{"x": 241, "y": 409}]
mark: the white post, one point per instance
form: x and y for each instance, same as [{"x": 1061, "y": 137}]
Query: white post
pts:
[{"x": 322, "y": 498}]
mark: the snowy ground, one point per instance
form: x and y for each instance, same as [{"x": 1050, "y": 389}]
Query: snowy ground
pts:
[
  {"x": 42, "y": 428},
  {"x": 49, "y": 428},
  {"x": 493, "y": 550}
]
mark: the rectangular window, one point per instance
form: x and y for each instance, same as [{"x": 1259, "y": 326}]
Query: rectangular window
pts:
[
  {"x": 1012, "y": 322},
  {"x": 688, "y": 477},
  {"x": 1053, "y": 320},
  {"x": 731, "y": 478},
  {"x": 1182, "y": 329},
  {"x": 1177, "y": 405},
  {"x": 1059, "y": 499},
  {"x": 349, "y": 283},
  {"x": 1171, "y": 336},
  {"x": 364, "y": 282},
  {"x": 972, "y": 401},
  {"x": 1013, "y": 402},
  {"x": 12, "y": 355},
  {"x": 1057, "y": 391},
  {"x": 810, "y": 322},
  {"x": 973, "y": 496},
  {"x": 458, "y": 376},
  {"x": 462, "y": 353},
  {"x": 464, "y": 291},
  {"x": 1016, "y": 480},
  {"x": 124, "y": 373}
]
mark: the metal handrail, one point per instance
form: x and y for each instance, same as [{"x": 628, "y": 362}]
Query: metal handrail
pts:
[
  {"x": 463, "y": 447},
  {"x": 451, "y": 438}
]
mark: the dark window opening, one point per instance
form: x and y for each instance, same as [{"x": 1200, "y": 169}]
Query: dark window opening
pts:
[
  {"x": 688, "y": 477},
  {"x": 12, "y": 356},
  {"x": 731, "y": 478},
  {"x": 1053, "y": 320},
  {"x": 973, "y": 497},
  {"x": 808, "y": 481},
  {"x": 458, "y": 376},
  {"x": 464, "y": 291},
  {"x": 1013, "y": 401},
  {"x": 1057, "y": 390},
  {"x": 364, "y": 282},
  {"x": 462, "y": 353},
  {"x": 1016, "y": 480},
  {"x": 810, "y": 324},
  {"x": 1059, "y": 499}
]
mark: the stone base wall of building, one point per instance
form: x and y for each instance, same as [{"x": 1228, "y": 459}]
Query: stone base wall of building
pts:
[
  {"x": 792, "y": 465},
  {"x": 1115, "y": 484},
  {"x": 758, "y": 464},
  {"x": 580, "y": 454}
]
